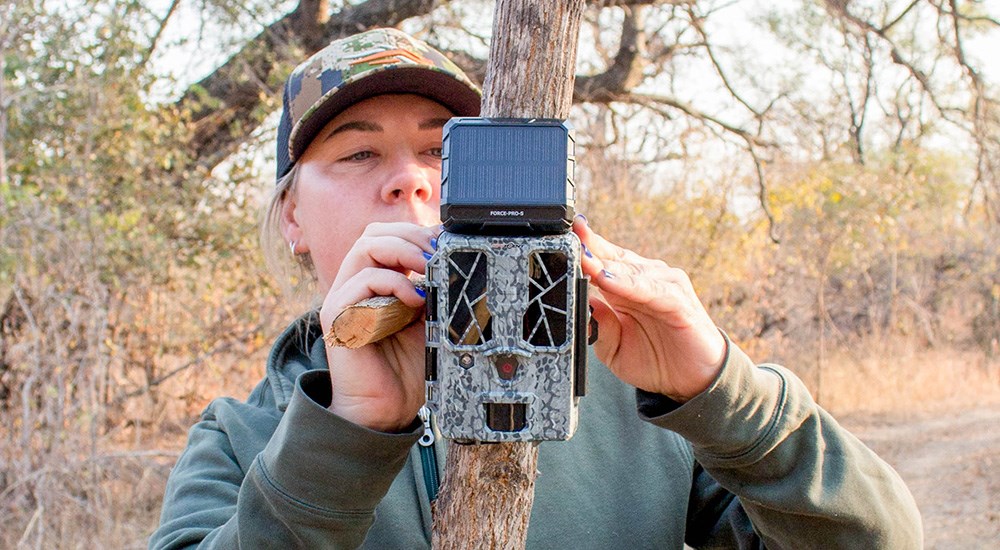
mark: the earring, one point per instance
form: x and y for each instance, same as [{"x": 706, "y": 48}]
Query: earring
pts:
[{"x": 291, "y": 245}]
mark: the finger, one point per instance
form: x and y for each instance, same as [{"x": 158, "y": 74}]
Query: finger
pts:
[
  {"x": 396, "y": 245},
  {"x": 401, "y": 347},
  {"x": 636, "y": 290},
  {"x": 388, "y": 252},
  {"x": 609, "y": 254},
  {"x": 609, "y": 328},
  {"x": 419, "y": 235},
  {"x": 368, "y": 283},
  {"x": 602, "y": 248},
  {"x": 649, "y": 276}
]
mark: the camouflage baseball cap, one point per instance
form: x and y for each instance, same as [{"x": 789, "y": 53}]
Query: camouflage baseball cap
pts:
[{"x": 349, "y": 70}]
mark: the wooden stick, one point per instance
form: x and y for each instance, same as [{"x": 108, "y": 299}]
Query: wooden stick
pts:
[{"x": 369, "y": 321}]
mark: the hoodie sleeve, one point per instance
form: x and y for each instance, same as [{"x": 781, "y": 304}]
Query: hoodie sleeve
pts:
[
  {"x": 801, "y": 479},
  {"x": 315, "y": 484}
]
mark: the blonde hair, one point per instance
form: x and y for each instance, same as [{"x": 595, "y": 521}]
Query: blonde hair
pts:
[{"x": 295, "y": 274}]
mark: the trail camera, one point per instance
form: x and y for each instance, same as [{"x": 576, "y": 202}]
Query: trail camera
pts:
[{"x": 507, "y": 311}]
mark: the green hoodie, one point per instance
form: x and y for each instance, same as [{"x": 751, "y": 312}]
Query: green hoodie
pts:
[{"x": 750, "y": 462}]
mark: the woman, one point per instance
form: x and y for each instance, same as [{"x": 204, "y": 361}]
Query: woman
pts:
[{"x": 722, "y": 453}]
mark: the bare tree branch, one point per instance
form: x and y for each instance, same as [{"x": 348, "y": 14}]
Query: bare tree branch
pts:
[
  {"x": 840, "y": 9},
  {"x": 885, "y": 28},
  {"x": 655, "y": 102},
  {"x": 696, "y": 22},
  {"x": 153, "y": 42},
  {"x": 228, "y": 104},
  {"x": 222, "y": 346},
  {"x": 625, "y": 72},
  {"x": 859, "y": 108},
  {"x": 762, "y": 199}
]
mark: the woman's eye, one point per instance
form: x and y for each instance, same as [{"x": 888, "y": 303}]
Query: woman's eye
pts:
[
  {"x": 360, "y": 155},
  {"x": 435, "y": 152}
]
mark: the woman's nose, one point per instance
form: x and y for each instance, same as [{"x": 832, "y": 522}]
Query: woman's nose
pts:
[{"x": 410, "y": 180}]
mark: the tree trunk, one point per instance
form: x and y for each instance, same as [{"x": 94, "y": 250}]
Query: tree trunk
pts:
[
  {"x": 488, "y": 489},
  {"x": 532, "y": 58}
]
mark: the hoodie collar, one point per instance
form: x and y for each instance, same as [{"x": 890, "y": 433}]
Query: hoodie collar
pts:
[{"x": 299, "y": 349}]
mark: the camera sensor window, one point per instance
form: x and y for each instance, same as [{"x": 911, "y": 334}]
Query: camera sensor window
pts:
[
  {"x": 545, "y": 320},
  {"x": 469, "y": 317}
]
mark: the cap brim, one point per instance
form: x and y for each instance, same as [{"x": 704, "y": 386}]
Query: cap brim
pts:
[{"x": 457, "y": 96}]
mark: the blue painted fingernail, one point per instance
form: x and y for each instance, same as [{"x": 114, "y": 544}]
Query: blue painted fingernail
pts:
[
  {"x": 427, "y": 255},
  {"x": 583, "y": 219},
  {"x": 434, "y": 243},
  {"x": 586, "y": 251},
  {"x": 607, "y": 274},
  {"x": 420, "y": 291}
]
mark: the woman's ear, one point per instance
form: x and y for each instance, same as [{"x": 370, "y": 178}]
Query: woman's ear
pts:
[{"x": 290, "y": 227}]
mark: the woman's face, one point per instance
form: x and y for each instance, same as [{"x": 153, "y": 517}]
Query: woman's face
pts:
[{"x": 377, "y": 161}]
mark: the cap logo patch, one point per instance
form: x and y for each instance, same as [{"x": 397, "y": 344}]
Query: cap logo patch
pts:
[{"x": 392, "y": 56}]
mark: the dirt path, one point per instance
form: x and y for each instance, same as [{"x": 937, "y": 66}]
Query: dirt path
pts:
[{"x": 951, "y": 462}]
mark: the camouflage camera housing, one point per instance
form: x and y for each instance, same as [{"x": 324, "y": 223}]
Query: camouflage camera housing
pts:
[{"x": 507, "y": 311}]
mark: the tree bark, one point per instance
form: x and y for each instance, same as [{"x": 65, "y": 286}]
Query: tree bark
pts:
[{"x": 488, "y": 489}]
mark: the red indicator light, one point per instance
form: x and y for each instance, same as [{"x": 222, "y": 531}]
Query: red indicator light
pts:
[{"x": 506, "y": 366}]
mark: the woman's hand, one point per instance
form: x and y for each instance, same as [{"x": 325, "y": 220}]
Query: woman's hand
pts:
[
  {"x": 654, "y": 331},
  {"x": 381, "y": 385}
]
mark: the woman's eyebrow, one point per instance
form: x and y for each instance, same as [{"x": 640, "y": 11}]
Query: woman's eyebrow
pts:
[
  {"x": 433, "y": 123},
  {"x": 359, "y": 125}
]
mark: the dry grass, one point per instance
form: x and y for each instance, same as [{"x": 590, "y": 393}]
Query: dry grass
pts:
[
  {"x": 98, "y": 482},
  {"x": 909, "y": 381},
  {"x": 106, "y": 500},
  {"x": 896, "y": 376}
]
